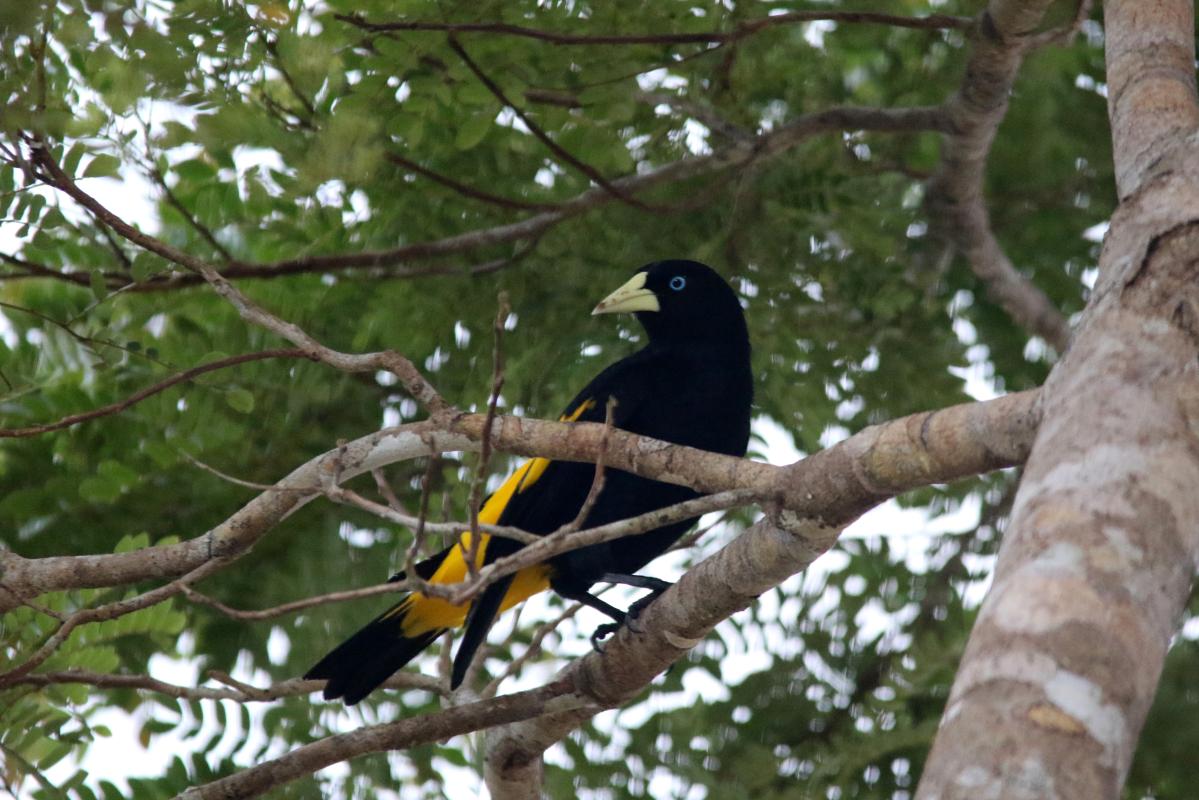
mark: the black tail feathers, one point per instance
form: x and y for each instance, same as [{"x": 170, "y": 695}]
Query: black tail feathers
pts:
[
  {"x": 358, "y": 665},
  {"x": 478, "y": 623}
]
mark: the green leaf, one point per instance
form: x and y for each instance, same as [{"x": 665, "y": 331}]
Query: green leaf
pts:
[
  {"x": 240, "y": 400},
  {"x": 132, "y": 541},
  {"x": 71, "y": 161},
  {"x": 473, "y": 130},
  {"x": 99, "y": 490},
  {"x": 98, "y": 285},
  {"x": 102, "y": 165}
]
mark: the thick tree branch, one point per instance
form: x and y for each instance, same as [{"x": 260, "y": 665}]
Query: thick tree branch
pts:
[
  {"x": 1150, "y": 53},
  {"x": 1000, "y": 427},
  {"x": 955, "y": 194},
  {"x": 1097, "y": 564}
]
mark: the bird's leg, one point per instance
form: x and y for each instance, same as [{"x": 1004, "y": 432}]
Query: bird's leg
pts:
[
  {"x": 655, "y": 586},
  {"x": 592, "y": 601}
]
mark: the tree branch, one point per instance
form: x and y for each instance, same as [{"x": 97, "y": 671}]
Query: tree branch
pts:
[
  {"x": 738, "y": 154},
  {"x": 107, "y": 612},
  {"x": 399, "y": 735},
  {"x": 543, "y": 137},
  {"x": 149, "y": 391},
  {"x": 389, "y": 360},
  {"x": 744, "y": 29},
  {"x": 177, "y": 204},
  {"x": 1151, "y": 88},
  {"x": 950, "y": 440},
  {"x": 465, "y": 190},
  {"x": 248, "y": 694},
  {"x": 955, "y": 199}
]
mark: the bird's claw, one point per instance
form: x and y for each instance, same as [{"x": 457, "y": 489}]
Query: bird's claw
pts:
[{"x": 601, "y": 633}]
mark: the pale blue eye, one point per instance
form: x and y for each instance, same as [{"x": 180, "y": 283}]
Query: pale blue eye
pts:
[{"x": 678, "y": 282}]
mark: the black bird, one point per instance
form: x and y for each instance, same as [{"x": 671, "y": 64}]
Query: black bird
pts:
[{"x": 691, "y": 384}]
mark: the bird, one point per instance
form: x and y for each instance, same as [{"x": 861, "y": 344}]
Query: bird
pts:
[{"x": 690, "y": 384}]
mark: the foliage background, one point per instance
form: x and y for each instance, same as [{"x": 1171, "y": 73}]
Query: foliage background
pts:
[{"x": 276, "y": 126}]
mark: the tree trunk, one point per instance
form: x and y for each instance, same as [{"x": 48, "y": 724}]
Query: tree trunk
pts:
[{"x": 1097, "y": 563}]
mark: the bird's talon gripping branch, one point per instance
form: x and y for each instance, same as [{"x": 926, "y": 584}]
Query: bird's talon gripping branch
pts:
[
  {"x": 601, "y": 633},
  {"x": 691, "y": 384}
]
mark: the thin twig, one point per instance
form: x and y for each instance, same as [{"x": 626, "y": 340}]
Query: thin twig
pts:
[
  {"x": 537, "y": 548},
  {"x": 1064, "y": 35},
  {"x": 114, "y": 245},
  {"x": 547, "y": 547},
  {"x": 24, "y": 766},
  {"x": 106, "y": 612},
  {"x": 149, "y": 391},
  {"x": 340, "y": 494},
  {"x": 688, "y": 541},
  {"x": 239, "y": 692},
  {"x": 736, "y": 155},
  {"x": 708, "y": 116},
  {"x": 296, "y": 605},
  {"x": 597, "y": 480},
  {"x": 930, "y": 22},
  {"x": 466, "y": 190},
  {"x": 272, "y": 45},
  {"x": 480, "y": 479},
  {"x": 389, "y": 495},
  {"x": 558, "y": 150},
  {"x": 534, "y": 648},
  {"x": 191, "y": 220},
  {"x": 416, "y": 383},
  {"x": 262, "y": 487},
  {"x": 87, "y": 341},
  {"x": 445, "y": 660},
  {"x": 422, "y": 517}
]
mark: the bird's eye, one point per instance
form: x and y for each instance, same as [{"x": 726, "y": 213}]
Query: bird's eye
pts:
[{"x": 678, "y": 282}]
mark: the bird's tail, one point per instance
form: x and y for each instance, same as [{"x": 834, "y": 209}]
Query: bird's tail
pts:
[
  {"x": 384, "y": 645},
  {"x": 398, "y": 635},
  {"x": 361, "y": 663}
]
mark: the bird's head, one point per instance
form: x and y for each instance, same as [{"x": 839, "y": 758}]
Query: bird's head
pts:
[{"x": 680, "y": 301}]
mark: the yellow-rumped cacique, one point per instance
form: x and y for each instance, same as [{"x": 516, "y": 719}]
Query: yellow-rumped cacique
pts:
[{"x": 691, "y": 384}]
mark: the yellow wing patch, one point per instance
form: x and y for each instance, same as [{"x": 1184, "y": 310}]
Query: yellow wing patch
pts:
[{"x": 421, "y": 614}]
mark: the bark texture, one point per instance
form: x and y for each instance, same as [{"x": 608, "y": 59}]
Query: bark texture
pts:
[{"x": 1097, "y": 564}]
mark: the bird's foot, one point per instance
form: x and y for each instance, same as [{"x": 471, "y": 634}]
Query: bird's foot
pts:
[
  {"x": 630, "y": 622},
  {"x": 601, "y": 633}
]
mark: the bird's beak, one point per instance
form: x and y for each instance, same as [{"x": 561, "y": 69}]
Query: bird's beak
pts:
[{"x": 633, "y": 296}]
